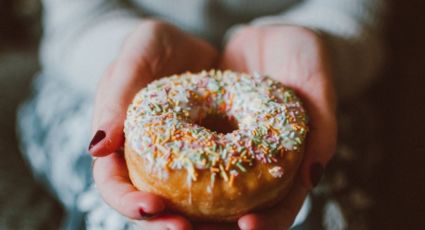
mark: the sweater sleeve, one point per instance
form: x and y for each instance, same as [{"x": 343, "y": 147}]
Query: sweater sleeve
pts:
[
  {"x": 81, "y": 38},
  {"x": 352, "y": 30}
]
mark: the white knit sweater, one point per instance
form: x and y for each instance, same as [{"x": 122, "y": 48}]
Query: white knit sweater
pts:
[{"x": 81, "y": 37}]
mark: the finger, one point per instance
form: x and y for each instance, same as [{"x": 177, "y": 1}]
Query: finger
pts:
[
  {"x": 321, "y": 140},
  {"x": 115, "y": 92},
  {"x": 136, "y": 66},
  {"x": 169, "y": 222},
  {"x": 202, "y": 57},
  {"x": 232, "y": 61},
  {"x": 310, "y": 78},
  {"x": 111, "y": 178},
  {"x": 232, "y": 58},
  {"x": 320, "y": 147},
  {"x": 173, "y": 51},
  {"x": 280, "y": 217}
]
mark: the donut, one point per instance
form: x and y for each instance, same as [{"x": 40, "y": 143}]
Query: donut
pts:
[{"x": 174, "y": 147}]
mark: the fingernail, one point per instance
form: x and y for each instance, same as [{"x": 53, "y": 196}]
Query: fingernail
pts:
[
  {"x": 316, "y": 171},
  {"x": 146, "y": 216},
  {"x": 100, "y": 134}
]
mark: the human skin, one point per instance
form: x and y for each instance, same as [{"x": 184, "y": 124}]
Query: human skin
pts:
[
  {"x": 293, "y": 55},
  {"x": 296, "y": 57},
  {"x": 152, "y": 50}
]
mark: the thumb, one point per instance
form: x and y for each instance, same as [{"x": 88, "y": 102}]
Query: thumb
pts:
[{"x": 115, "y": 91}]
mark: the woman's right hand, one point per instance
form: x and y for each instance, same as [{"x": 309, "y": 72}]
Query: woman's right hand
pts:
[{"x": 154, "y": 49}]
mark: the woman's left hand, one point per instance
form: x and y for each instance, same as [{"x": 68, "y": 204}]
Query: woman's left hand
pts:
[{"x": 296, "y": 57}]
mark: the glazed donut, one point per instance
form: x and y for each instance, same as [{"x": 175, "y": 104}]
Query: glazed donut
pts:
[{"x": 209, "y": 174}]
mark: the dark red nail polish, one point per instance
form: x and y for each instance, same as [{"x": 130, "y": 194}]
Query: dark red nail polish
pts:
[
  {"x": 316, "y": 171},
  {"x": 100, "y": 134},
  {"x": 146, "y": 216}
]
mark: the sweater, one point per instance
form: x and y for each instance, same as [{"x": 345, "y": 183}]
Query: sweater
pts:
[{"x": 82, "y": 37}]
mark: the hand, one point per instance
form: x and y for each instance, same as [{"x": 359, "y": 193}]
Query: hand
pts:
[
  {"x": 296, "y": 57},
  {"x": 154, "y": 49}
]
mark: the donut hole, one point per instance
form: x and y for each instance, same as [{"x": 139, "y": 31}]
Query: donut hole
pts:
[{"x": 219, "y": 123}]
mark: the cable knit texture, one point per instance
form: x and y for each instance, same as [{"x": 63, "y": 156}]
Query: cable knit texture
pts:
[{"x": 82, "y": 37}]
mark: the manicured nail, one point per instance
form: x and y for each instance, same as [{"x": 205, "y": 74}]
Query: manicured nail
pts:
[
  {"x": 316, "y": 171},
  {"x": 100, "y": 134},
  {"x": 146, "y": 216}
]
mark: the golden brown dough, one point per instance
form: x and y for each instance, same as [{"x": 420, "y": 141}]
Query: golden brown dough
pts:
[{"x": 205, "y": 174}]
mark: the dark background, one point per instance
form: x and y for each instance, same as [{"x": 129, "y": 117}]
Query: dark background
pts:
[{"x": 399, "y": 97}]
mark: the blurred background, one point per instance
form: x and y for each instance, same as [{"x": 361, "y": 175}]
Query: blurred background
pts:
[
  {"x": 23, "y": 203},
  {"x": 398, "y": 187}
]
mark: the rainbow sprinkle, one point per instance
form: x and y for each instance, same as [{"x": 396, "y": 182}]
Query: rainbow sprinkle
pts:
[{"x": 161, "y": 124}]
